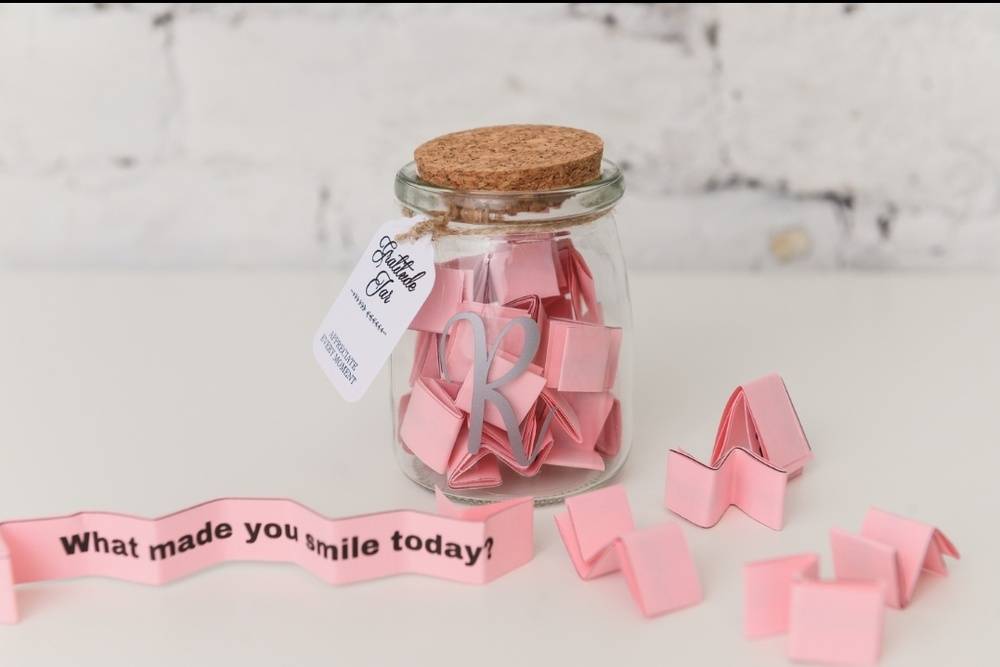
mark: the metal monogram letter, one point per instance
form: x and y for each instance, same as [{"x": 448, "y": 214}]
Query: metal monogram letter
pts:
[{"x": 483, "y": 390}]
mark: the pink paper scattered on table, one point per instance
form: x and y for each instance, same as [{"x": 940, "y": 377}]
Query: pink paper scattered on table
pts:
[
  {"x": 832, "y": 622},
  {"x": 836, "y": 622},
  {"x": 759, "y": 445},
  {"x": 768, "y": 589},
  {"x": 893, "y": 551},
  {"x": 840, "y": 622},
  {"x": 600, "y": 537},
  {"x": 466, "y": 544}
]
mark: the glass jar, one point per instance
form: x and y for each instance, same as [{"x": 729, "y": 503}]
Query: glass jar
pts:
[{"x": 530, "y": 301}]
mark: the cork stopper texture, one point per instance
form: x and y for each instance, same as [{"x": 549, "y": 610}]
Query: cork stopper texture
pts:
[{"x": 511, "y": 158}]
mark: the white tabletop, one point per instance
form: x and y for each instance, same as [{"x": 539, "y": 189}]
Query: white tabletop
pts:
[{"x": 149, "y": 392}]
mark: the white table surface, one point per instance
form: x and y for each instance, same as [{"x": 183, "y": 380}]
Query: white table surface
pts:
[{"x": 149, "y": 392}]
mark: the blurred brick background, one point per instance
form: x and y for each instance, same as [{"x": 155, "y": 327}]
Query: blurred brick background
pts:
[{"x": 754, "y": 137}]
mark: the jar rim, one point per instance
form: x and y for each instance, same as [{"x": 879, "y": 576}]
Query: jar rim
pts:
[{"x": 589, "y": 198}]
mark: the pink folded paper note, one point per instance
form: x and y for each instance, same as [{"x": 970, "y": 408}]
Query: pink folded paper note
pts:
[
  {"x": 893, "y": 551},
  {"x": 760, "y": 417},
  {"x": 702, "y": 494},
  {"x": 531, "y": 306},
  {"x": 600, "y": 536},
  {"x": 599, "y": 431},
  {"x": 425, "y": 357},
  {"x": 564, "y": 416},
  {"x": 759, "y": 445},
  {"x": 610, "y": 440},
  {"x": 476, "y": 273},
  {"x": 581, "y": 356},
  {"x": 767, "y": 589},
  {"x": 579, "y": 284},
  {"x": 522, "y": 269},
  {"x": 431, "y": 423},
  {"x": 836, "y": 622},
  {"x": 448, "y": 291},
  {"x": 832, "y": 622},
  {"x": 592, "y": 410},
  {"x": 472, "y": 471},
  {"x": 466, "y": 544},
  {"x": 567, "y": 454}
]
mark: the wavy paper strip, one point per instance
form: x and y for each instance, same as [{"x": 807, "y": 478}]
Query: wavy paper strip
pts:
[
  {"x": 759, "y": 446},
  {"x": 892, "y": 550},
  {"x": 833, "y": 622},
  {"x": 466, "y": 544},
  {"x": 600, "y": 537}
]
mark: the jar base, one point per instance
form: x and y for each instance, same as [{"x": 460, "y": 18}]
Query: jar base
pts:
[{"x": 552, "y": 488}]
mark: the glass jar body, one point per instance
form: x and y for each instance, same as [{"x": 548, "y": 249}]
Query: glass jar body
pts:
[
  {"x": 572, "y": 403},
  {"x": 515, "y": 378}
]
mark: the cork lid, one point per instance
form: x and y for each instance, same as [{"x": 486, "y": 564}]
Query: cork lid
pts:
[{"x": 511, "y": 158}]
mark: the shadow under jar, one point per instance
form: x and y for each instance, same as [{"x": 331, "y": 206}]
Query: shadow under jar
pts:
[{"x": 515, "y": 377}]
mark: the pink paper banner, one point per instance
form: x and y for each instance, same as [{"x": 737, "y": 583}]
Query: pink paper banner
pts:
[{"x": 468, "y": 544}]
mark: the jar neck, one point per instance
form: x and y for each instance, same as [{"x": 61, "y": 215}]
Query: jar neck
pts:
[{"x": 520, "y": 210}]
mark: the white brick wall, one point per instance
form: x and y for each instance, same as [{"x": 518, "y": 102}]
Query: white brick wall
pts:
[{"x": 823, "y": 136}]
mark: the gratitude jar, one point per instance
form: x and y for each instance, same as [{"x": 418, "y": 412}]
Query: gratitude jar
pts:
[{"x": 514, "y": 378}]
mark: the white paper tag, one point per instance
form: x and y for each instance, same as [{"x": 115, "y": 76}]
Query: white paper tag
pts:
[{"x": 380, "y": 299}]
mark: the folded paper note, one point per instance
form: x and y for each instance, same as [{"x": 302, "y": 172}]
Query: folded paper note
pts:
[
  {"x": 768, "y": 591},
  {"x": 759, "y": 446},
  {"x": 581, "y": 356},
  {"x": 460, "y": 543},
  {"x": 579, "y": 285},
  {"x": 523, "y": 269},
  {"x": 567, "y": 454},
  {"x": 425, "y": 357},
  {"x": 609, "y": 442},
  {"x": 893, "y": 551},
  {"x": 600, "y": 536},
  {"x": 431, "y": 424},
  {"x": 472, "y": 471},
  {"x": 836, "y": 622},
  {"x": 592, "y": 410},
  {"x": 448, "y": 291}
]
